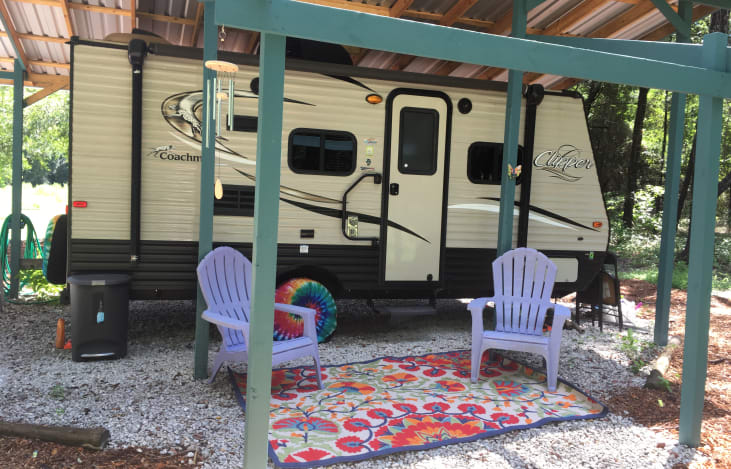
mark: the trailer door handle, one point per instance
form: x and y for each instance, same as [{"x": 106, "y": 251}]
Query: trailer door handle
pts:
[{"x": 393, "y": 189}]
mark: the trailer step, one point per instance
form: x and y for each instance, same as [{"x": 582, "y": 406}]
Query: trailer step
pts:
[
  {"x": 398, "y": 314},
  {"x": 411, "y": 310}
]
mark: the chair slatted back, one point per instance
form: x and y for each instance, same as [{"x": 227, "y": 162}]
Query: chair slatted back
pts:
[
  {"x": 224, "y": 276},
  {"x": 523, "y": 280}
]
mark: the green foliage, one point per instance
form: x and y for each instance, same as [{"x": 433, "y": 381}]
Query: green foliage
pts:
[
  {"x": 45, "y": 139},
  {"x": 57, "y": 392},
  {"x": 666, "y": 385},
  {"x": 40, "y": 289},
  {"x": 633, "y": 348}
]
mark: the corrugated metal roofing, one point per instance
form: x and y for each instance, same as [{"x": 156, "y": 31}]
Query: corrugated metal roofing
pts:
[{"x": 42, "y": 27}]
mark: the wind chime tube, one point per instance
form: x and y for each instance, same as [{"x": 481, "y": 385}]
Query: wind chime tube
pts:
[
  {"x": 231, "y": 103},
  {"x": 208, "y": 113},
  {"x": 218, "y": 108}
]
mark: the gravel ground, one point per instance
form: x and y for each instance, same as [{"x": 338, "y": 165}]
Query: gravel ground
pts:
[{"x": 149, "y": 398}]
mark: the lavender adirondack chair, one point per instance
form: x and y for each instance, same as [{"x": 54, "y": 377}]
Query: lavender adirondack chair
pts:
[
  {"x": 523, "y": 280},
  {"x": 224, "y": 276}
]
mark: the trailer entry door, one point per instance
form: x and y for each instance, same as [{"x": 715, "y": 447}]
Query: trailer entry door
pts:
[{"x": 415, "y": 188}]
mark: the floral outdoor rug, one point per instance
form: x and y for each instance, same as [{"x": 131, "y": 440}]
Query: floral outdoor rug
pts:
[{"x": 394, "y": 404}]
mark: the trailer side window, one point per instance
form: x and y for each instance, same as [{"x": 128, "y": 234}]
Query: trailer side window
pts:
[
  {"x": 485, "y": 162},
  {"x": 237, "y": 201},
  {"x": 324, "y": 152},
  {"x": 418, "y": 141}
]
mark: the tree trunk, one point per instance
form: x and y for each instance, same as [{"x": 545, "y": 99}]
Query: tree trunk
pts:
[
  {"x": 634, "y": 156},
  {"x": 685, "y": 253},
  {"x": 687, "y": 178},
  {"x": 594, "y": 90},
  {"x": 660, "y": 199},
  {"x": 719, "y": 22}
]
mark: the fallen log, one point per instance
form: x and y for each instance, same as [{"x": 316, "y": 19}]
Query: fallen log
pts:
[
  {"x": 93, "y": 438},
  {"x": 656, "y": 379}
]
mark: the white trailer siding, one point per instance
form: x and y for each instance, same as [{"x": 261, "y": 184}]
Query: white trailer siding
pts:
[
  {"x": 566, "y": 202},
  {"x": 101, "y": 136}
]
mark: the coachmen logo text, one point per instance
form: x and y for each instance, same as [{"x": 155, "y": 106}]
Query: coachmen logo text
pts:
[
  {"x": 166, "y": 153},
  {"x": 557, "y": 162}
]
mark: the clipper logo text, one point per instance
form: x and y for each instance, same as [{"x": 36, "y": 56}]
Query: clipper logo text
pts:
[{"x": 557, "y": 162}]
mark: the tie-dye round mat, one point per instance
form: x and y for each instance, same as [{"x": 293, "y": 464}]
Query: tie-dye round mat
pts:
[{"x": 310, "y": 294}]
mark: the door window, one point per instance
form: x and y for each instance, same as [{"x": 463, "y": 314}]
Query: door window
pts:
[{"x": 418, "y": 141}]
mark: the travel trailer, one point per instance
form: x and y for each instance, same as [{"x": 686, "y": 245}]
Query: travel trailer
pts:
[{"x": 390, "y": 181}]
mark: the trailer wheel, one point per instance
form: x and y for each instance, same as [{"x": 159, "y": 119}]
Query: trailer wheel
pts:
[
  {"x": 54, "y": 250},
  {"x": 310, "y": 294}
]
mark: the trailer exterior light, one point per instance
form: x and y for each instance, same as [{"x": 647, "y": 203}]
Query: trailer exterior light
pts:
[
  {"x": 79, "y": 204},
  {"x": 597, "y": 224},
  {"x": 374, "y": 98}
]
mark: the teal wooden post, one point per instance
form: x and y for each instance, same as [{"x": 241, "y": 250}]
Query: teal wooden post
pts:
[
  {"x": 208, "y": 156},
  {"x": 703, "y": 223},
  {"x": 17, "y": 177},
  {"x": 510, "y": 145},
  {"x": 670, "y": 199},
  {"x": 264, "y": 258}
]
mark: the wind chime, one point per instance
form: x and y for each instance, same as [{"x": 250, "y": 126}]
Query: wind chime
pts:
[{"x": 224, "y": 78}]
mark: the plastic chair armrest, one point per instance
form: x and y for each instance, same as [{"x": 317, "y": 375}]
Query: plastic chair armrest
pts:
[
  {"x": 560, "y": 314},
  {"x": 475, "y": 307},
  {"x": 226, "y": 321}
]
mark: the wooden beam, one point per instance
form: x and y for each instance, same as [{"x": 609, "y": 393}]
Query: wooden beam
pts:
[
  {"x": 91, "y": 8},
  {"x": 343, "y": 4},
  {"x": 504, "y": 24},
  {"x": 398, "y": 8},
  {"x": 13, "y": 34},
  {"x": 699, "y": 11},
  {"x": 573, "y": 17},
  {"x": 40, "y": 63},
  {"x": 456, "y": 11},
  {"x": 44, "y": 63},
  {"x": 132, "y": 15},
  {"x": 39, "y": 80},
  {"x": 565, "y": 83},
  {"x": 67, "y": 17},
  {"x": 359, "y": 54},
  {"x": 436, "y": 17},
  {"x": 165, "y": 18},
  {"x": 253, "y": 42},
  {"x": 111, "y": 11},
  {"x": 401, "y": 62},
  {"x": 446, "y": 68},
  {"x": 197, "y": 27},
  {"x": 560, "y": 26},
  {"x": 662, "y": 32},
  {"x": 50, "y": 3},
  {"x": 33, "y": 37},
  {"x": 631, "y": 16},
  {"x": 43, "y": 79},
  {"x": 38, "y": 95},
  {"x": 396, "y": 11}
]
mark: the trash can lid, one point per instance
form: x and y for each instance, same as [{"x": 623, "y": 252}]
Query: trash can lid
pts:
[{"x": 98, "y": 279}]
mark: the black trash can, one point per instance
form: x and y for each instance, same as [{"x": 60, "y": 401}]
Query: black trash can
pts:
[{"x": 99, "y": 316}]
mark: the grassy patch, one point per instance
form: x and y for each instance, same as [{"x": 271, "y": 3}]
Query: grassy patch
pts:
[{"x": 39, "y": 203}]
